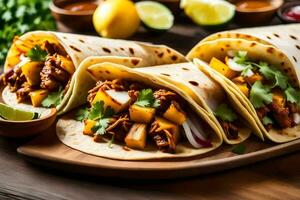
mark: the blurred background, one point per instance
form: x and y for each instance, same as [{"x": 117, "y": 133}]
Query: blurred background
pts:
[{"x": 179, "y": 24}]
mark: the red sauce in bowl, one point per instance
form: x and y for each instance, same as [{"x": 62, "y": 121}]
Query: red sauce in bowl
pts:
[
  {"x": 252, "y": 5},
  {"x": 81, "y": 6},
  {"x": 292, "y": 13}
]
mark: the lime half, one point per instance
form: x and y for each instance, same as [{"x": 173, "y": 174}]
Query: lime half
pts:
[
  {"x": 209, "y": 12},
  {"x": 155, "y": 15},
  {"x": 9, "y": 113}
]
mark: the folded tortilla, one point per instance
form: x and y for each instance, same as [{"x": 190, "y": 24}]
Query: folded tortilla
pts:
[
  {"x": 205, "y": 91},
  {"x": 70, "y": 131},
  {"x": 78, "y": 48},
  {"x": 277, "y": 45}
]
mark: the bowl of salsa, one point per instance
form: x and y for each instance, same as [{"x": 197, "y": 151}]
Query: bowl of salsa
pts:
[
  {"x": 255, "y": 12},
  {"x": 290, "y": 12},
  {"x": 74, "y": 15}
]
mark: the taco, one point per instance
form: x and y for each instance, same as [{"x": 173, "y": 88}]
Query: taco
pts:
[
  {"x": 132, "y": 115},
  {"x": 229, "y": 118},
  {"x": 259, "y": 74},
  {"x": 40, "y": 69}
]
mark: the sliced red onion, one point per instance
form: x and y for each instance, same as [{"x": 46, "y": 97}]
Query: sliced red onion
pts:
[
  {"x": 296, "y": 117},
  {"x": 235, "y": 66},
  {"x": 195, "y": 134}
]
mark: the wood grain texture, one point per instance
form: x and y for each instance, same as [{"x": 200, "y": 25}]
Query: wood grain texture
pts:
[{"x": 277, "y": 178}]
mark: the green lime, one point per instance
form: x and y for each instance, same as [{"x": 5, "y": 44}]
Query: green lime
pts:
[
  {"x": 209, "y": 12},
  {"x": 155, "y": 15},
  {"x": 9, "y": 113}
]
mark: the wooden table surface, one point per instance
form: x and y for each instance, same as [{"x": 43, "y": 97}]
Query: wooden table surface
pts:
[{"x": 277, "y": 178}]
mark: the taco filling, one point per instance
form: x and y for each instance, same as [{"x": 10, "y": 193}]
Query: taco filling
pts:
[
  {"x": 133, "y": 114},
  {"x": 41, "y": 76},
  {"x": 274, "y": 98}
]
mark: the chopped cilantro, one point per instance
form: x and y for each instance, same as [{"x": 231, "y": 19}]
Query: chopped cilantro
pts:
[
  {"x": 20, "y": 16},
  {"x": 37, "y": 54},
  {"x": 98, "y": 111},
  {"x": 225, "y": 113},
  {"x": 239, "y": 149},
  {"x": 260, "y": 94},
  {"x": 100, "y": 127},
  {"x": 274, "y": 75},
  {"x": 82, "y": 114},
  {"x": 146, "y": 99},
  {"x": 53, "y": 99},
  {"x": 292, "y": 95},
  {"x": 266, "y": 120},
  {"x": 247, "y": 70},
  {"x": 240, "y": 57}
]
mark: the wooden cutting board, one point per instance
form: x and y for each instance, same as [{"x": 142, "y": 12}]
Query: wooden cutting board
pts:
[{"x": 47, "y": 150}]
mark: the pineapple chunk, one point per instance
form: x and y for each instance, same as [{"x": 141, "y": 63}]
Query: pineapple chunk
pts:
[
  {"x": 252, "y": 79},
  {"x": 117, "y": 100},
  {"x": 175, "y": 115},
  {"x": 37, "y": 97},
  {"x": 141, "y": 114},
  {"x": 244, "y": 89},
  {"x": 136, "y": 137},
  {"x": 222, "y": 68},
  {"x": 278, "y": 98},
  {"x": 31, "y": 71},
  {"x": 167, "y": 125},
  {"x": 88, "y": 126},
  {"x": 66, "y": 64}
]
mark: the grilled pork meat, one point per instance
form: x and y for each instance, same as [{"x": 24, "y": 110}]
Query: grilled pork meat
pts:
[{"x": 231, "y": 130}]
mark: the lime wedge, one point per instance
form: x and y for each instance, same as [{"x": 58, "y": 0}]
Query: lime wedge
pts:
[
  {"x": 9, "y": 113},
  {"x": 208, "y": 12},
  {"x": 155, "y": 15}
]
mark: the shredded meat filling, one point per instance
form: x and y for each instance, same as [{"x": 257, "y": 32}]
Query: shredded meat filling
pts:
[
  {"x": 119, "y": 126},
  {"x": 231, "y": 130},
  {"x": 165, "y": 98}
]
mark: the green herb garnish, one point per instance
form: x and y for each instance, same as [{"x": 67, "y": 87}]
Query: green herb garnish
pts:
[
  {"x": 53, "y": 99},
  {"x": 266, "y": 120},
  {"x": 98, "y": 111},
  {"x": 225, "y": 113},
  {"x": 292, "y": 95},
  {"x": 37, "y": 54},
  {"x": 82, "y": 114},
  {"x": 240, "y": 57},
  {"x": 100, "y": 127},
  {"x": 146, "y": 99},
  {"x": 20, "y": 16},
  {"x": 246, "y": 70},
  {"x": 239, "y": 149},
  {"x": 260, "y": 94}
]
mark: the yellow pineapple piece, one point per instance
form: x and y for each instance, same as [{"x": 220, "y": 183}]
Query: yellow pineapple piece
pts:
[
  {"x": 31, "y": 71},
  {"x": 175, "y": 115},
  {"x": 66, "y": 64},
  {"x": 141, "y": 114},
  {"x": 244, "y": 89},
  {"x": 167, "y": 125},
  {"x": 278, "y": 98},
  {"x": 136, "y": 138},
  {"x": 37, "y": 97},
  {"x": 222, "y": 68},
  {"x": 88, "y": 126}
]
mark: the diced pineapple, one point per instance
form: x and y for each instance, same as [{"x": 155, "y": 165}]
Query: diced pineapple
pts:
[
  {"x": 66, "y": 64},
  {"x": 31, "y": 71},
  {"x": 37, "y": 97},
  {"x": 136, "y": 138},
  {"x": 244, "y": 89},
  {"x": 167, "y": 125},
  {"x": 222, "y": 68},
  {"x": 175, "y": 115},
  {"x": 88, "y": 126},
  {"x": 239, "y": 80},
  {"x": 252, "y": 79},
  {"x": 278, "y": 98},
  {"x": 141, "y": 114},
  {"x": 117, "y": 100}
]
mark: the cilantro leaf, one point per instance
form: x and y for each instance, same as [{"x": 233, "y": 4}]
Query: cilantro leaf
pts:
[
  {"x": 247, "y": 70},
  {"x": 225, "y": 113},
  {"x": 146, "y": 99},
  {"x": 37, "y": 54},
  {"x": 53, "y": 99},
  {"x": 240, "y": 57},
  {"x": 266, "y": 120},
  {"x": 239, "y": 149},
  {"x": 100, "y": 127},
  {"x": 82, "y": 114},
  {"x": 274, "y": 75},
  {"x": 98, "y": 112},
  {"x": 292, "y": 95},
  {"x": 260, "y": 94}
]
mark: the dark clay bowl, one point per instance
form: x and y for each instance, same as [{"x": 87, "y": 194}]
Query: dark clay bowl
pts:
[
  {"x": 284, "y": 8},
  {"x": 74, "y": 20}
]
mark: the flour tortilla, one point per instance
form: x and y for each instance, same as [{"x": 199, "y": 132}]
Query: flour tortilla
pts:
[
  {"x": 80, "y": 47},
  {"x": 69, "y": 131},
  {"x": 277, "y": 45}
]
